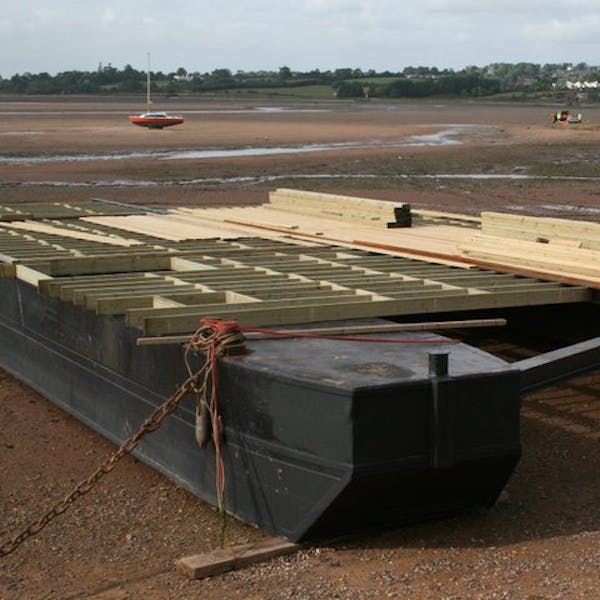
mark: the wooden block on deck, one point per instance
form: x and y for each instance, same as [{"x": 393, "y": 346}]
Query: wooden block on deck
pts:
[{"x": 232, "y": 558}]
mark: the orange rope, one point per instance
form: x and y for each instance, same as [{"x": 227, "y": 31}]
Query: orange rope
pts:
[{"x": 213, "y": 337}]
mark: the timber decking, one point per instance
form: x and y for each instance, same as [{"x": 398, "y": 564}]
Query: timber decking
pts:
[
  {"x": 62, "y": 210},
  {"x": 319, "y": 257},
  {"x": 267, "y": 282}
]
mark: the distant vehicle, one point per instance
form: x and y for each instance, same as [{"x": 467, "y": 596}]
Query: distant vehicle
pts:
[
  {"x": 153, "y": 120},
  {"x": 564, "y": 117}
]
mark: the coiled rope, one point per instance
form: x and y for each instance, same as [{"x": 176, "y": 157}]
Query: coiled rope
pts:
[{"x": 214, "y": 338}]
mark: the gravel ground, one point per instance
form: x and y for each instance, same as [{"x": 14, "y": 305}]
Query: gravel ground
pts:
[{"x": 540, "y": 541}]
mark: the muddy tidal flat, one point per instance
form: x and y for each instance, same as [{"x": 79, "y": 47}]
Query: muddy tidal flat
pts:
[{"x": 465, "y": 157}]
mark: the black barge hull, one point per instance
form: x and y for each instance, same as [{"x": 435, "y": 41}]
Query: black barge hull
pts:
[{"x": 322, "y": 437}]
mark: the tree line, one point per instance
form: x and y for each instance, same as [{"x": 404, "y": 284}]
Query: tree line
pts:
[{"x": 411, "y": 82}]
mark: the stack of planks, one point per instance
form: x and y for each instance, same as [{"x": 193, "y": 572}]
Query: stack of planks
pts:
[
  {"x": 565, "y": 232},
  {"x": 345, "y": 208},
  {"x": 559, "y": 247}
]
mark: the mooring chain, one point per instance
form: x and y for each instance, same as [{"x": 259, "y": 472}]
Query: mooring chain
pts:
[{"x": 203, "y": 340}]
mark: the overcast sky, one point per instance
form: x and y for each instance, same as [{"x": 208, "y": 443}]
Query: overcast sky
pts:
[{"x": 202, "y": 35}]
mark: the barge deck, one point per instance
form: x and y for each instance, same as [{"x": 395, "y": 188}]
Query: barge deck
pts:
[{"x": 321, "y": 436}]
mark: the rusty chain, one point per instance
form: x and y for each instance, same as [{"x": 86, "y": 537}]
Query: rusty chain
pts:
[
  {"x": 201, "y": 341},
  {"x": 152, "y": 423}
]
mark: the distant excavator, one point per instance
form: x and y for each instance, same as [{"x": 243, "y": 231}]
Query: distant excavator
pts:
[{"x": 566, "y": 117}]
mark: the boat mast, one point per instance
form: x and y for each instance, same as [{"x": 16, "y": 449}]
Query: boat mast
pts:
[{"x": 148, "y": 101}]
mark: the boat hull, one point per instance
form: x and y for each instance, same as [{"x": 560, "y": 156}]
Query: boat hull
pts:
[
  {"x": 322, "y": 438},
  {"x": 155, "y": 122}
]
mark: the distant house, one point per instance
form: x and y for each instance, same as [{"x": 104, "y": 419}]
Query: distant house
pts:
[
  {"x": 576, "y": 85},
  {"x": 581, "y": 85}
]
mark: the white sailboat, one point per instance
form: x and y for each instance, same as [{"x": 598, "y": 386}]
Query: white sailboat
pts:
[{"x": 153, "y": 120}]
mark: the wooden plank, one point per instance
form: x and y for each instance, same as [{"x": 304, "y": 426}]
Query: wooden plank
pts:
[
  {"x": 166, "y": 229},
  {"x": 183, "y": 264},
  {"x": 534, "y": 273},
  {"x": 88, "y": 296},
  {"x": 325, "y": 199},
  {"x": 115, "y": 305},
  {"x": 8, "y": 270},
  {"x": 288, "y": 288},
  {"x": 343, "y": 330},
  {"x": 553, "y": 230},
  {"x": 437, "y": 245},
  {"x": 65, "y": 232},
  {"x": 431, "y": 243},
  {"x": 371, "y": 213},
  {"x": 29, "y": 275},
  {"x": 135, "y": 317},
  {"x": 526, "y": 246},
  {"x": 454, "y": 259},
  {"x": 426, "y": 293},
  {"x": 53, "y": 287},
  {"x": 399, "y": 285},
  {"x": 541, "y": 256},
  {"x": 163, "y": 302},
  {"x": 119, "y": 305},
  {"x": 233, "y": 557},
  {"x": 233, "y": 277},
  {"x": 450, "y": 216},
  {"x": 110, "y": 264},
  {"x": 283, "y": 294},
  {"x": 522, "y": 284},
  {"x": 69, "y": 292}
]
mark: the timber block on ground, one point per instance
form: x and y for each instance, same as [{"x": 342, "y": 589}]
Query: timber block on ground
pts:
[{"x": 232, "y": 558}]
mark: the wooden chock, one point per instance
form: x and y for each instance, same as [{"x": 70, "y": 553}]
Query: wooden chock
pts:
[{"x": 232, "y": 558}]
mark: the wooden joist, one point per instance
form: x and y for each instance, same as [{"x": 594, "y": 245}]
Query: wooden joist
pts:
[
  {"x": 162, "y": 322},
  {"x": 54, "y": 286},
  {"x": 118, "y": 304},
  {"x": 272, "y": 284},
  {"x": 62, "y": 210},
  {"x": 77, "y": 234}
]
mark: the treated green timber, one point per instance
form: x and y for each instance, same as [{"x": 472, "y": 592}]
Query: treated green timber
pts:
[
  {"x": 119, "y": 305},
  {"x": 68, "y": 292},
  {"x": 135, "y": 318},
  {"x": 260, "y": 315},
  {"x": 52, "y": 287},
  {"x": 86, "y": 296}
]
